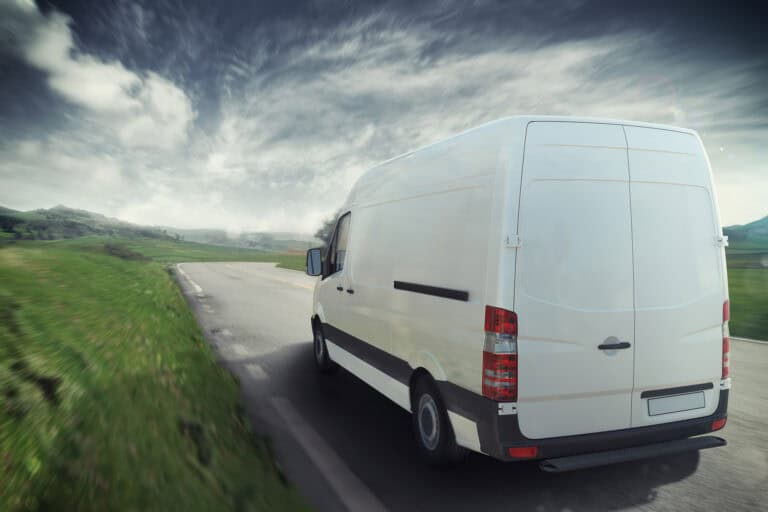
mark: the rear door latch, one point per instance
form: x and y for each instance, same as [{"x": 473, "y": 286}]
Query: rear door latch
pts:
[{"x": 721, "y": 241}]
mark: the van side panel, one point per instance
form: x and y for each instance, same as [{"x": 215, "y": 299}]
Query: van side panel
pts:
[
  {"x": 370, "y": 276},
  {"x": 574, "y": 281},
  {"x": 424, "y": 221},
  {"x": 679, "y": 271},
  {"x": 438, "y": 240}
]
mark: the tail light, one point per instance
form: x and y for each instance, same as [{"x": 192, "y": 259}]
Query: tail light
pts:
[
  {"x": 500, "y": 355},
  {"x": 523, "y": 452},
  {"x": 726, "y": 341},
  {"x": 718, "y": 423}
]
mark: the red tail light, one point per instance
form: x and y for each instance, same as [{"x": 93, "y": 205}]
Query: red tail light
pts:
[
  {"x": 500, "y": 321},
  {"x": 500, "y": 355},
  {"x": 523, "y": 452},
  {"x": 726, "y": 341},
  {"x": 718, "y": 424},
  {"x": 500, "y": 376}
]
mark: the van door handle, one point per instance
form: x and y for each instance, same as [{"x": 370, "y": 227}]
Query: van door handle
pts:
[
  {"x": 614, "y": 346},
  {"x": 350, "y": 291},
  {"x": 339, "y": 288}
]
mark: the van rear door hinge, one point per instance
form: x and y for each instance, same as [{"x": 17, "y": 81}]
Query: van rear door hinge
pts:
[
  {"x": 513, "y": 241},
  {"x": 721, "y": 241}
]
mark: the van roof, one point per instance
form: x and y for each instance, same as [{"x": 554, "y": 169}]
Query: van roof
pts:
[
  {"x": 601, "y": 120},
  {"x": 519, "y": 121},
  {"x": 529, "y": 118}
]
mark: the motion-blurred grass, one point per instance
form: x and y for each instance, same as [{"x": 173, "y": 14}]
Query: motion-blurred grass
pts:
[
  {"x": 748, "y": 289},
  {"x": 173, "y": 251},
  {"x": 109, "y": 397}
]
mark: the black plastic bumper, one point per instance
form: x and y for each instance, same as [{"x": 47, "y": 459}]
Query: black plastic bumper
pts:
[
  {"x": 589, "y": 460},
  {"x": 499, "y": 433}
]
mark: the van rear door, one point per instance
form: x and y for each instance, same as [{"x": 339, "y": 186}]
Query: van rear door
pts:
[
  {"x": 574, "y": 278},
  {"x": 679, "y": 278}
]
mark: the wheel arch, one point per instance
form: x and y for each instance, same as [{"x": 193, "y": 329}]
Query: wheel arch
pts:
[
  {"x": 417, "y": 374},
  {"x": 427, "y": 361},
  {"x": 315, "y": 321}
]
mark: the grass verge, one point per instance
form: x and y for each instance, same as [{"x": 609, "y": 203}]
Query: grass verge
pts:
[
  {"x": 172, "y": 251},
  {"x": 110, "y": 399},
  {"x": 748, "y": 288}
]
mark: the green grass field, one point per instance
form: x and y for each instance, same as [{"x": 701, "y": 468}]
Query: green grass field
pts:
[
  {"x": 171, "y": 251},
  {"x": 748, "y": 288},
  {"x": 110, "y": 399}
]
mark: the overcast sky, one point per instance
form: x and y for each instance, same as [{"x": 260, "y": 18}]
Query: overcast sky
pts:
[{"x": 260, "y": 115}]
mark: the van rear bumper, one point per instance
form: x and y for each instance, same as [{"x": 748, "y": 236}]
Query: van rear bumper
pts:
[
  {"x": 497, "y": 433},
  {"x": 588, "y": 460}
]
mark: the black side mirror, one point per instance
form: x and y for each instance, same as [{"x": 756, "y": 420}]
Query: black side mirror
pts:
[{"x": 314, "y": 262}]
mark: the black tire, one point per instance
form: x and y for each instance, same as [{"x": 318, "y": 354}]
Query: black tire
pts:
[
  {"x": 323, "y": 361},
  {"x": 431, "y": 426}
]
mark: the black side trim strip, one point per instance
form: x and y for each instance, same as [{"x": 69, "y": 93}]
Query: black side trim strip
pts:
[
  {"x": 382, "y": 361},
  {"x": 675, "y": 391},
  {"x": 446, "y": 293}
]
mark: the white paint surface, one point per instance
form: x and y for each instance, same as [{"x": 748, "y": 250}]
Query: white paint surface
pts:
[
  {"x": 383, "y": 383},
  {"x": 465, "y": 431}
]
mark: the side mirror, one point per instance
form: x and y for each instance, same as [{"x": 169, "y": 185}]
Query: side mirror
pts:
[{"x": 314, "y": 262}]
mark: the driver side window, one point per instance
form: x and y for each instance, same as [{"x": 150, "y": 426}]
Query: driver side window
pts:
[{"x": 338, "y": 249}]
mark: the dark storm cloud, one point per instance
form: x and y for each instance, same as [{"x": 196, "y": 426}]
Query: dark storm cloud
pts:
[
  {"x": 261, "y": 114},
  {"x": 199, "y": 37}
]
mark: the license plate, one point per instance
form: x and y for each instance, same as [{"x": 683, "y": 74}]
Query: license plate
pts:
[{"x": 675, "y": 403}]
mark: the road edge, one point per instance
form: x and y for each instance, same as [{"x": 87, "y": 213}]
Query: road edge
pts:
[{"x": 748, "y": 340}]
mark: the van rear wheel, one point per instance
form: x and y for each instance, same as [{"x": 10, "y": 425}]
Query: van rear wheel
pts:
[
  {"x": 320, "y": 348},
  {"x": 431, "y": 426}
]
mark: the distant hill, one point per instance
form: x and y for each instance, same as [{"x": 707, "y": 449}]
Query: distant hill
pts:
[
  {"x": 748, "y": 236},
  {"x": 64, "y": 222},
  {"x": 274, "y": 241}
]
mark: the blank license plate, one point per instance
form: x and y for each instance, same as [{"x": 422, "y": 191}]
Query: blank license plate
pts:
[{"x": 676, "y": 403}]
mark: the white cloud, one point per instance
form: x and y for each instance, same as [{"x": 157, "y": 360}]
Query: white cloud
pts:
[
  {"x": 370, "y": 96},
  {"x": 163, "y": 118},
  {"x": 43, "y": 173},
  {"x": 142, "y": 110}
]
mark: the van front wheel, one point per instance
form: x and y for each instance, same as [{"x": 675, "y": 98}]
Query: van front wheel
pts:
[
  {"x": 322, "y": 359},
  {"x": 431, "y": 426}
]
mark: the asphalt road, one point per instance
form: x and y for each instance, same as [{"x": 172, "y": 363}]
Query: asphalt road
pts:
[{"x": 347, "y": 447}]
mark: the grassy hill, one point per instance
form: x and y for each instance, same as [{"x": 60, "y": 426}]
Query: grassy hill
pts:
[
  {"x": 63, "y": 222},
  {"x": 172, "y": 251},
  {"x": 109, "y": 397},
  {"x": 748, "y": 236}
]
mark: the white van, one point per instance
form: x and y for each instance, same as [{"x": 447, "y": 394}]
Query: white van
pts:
[{"x": 546, "y": 288}]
